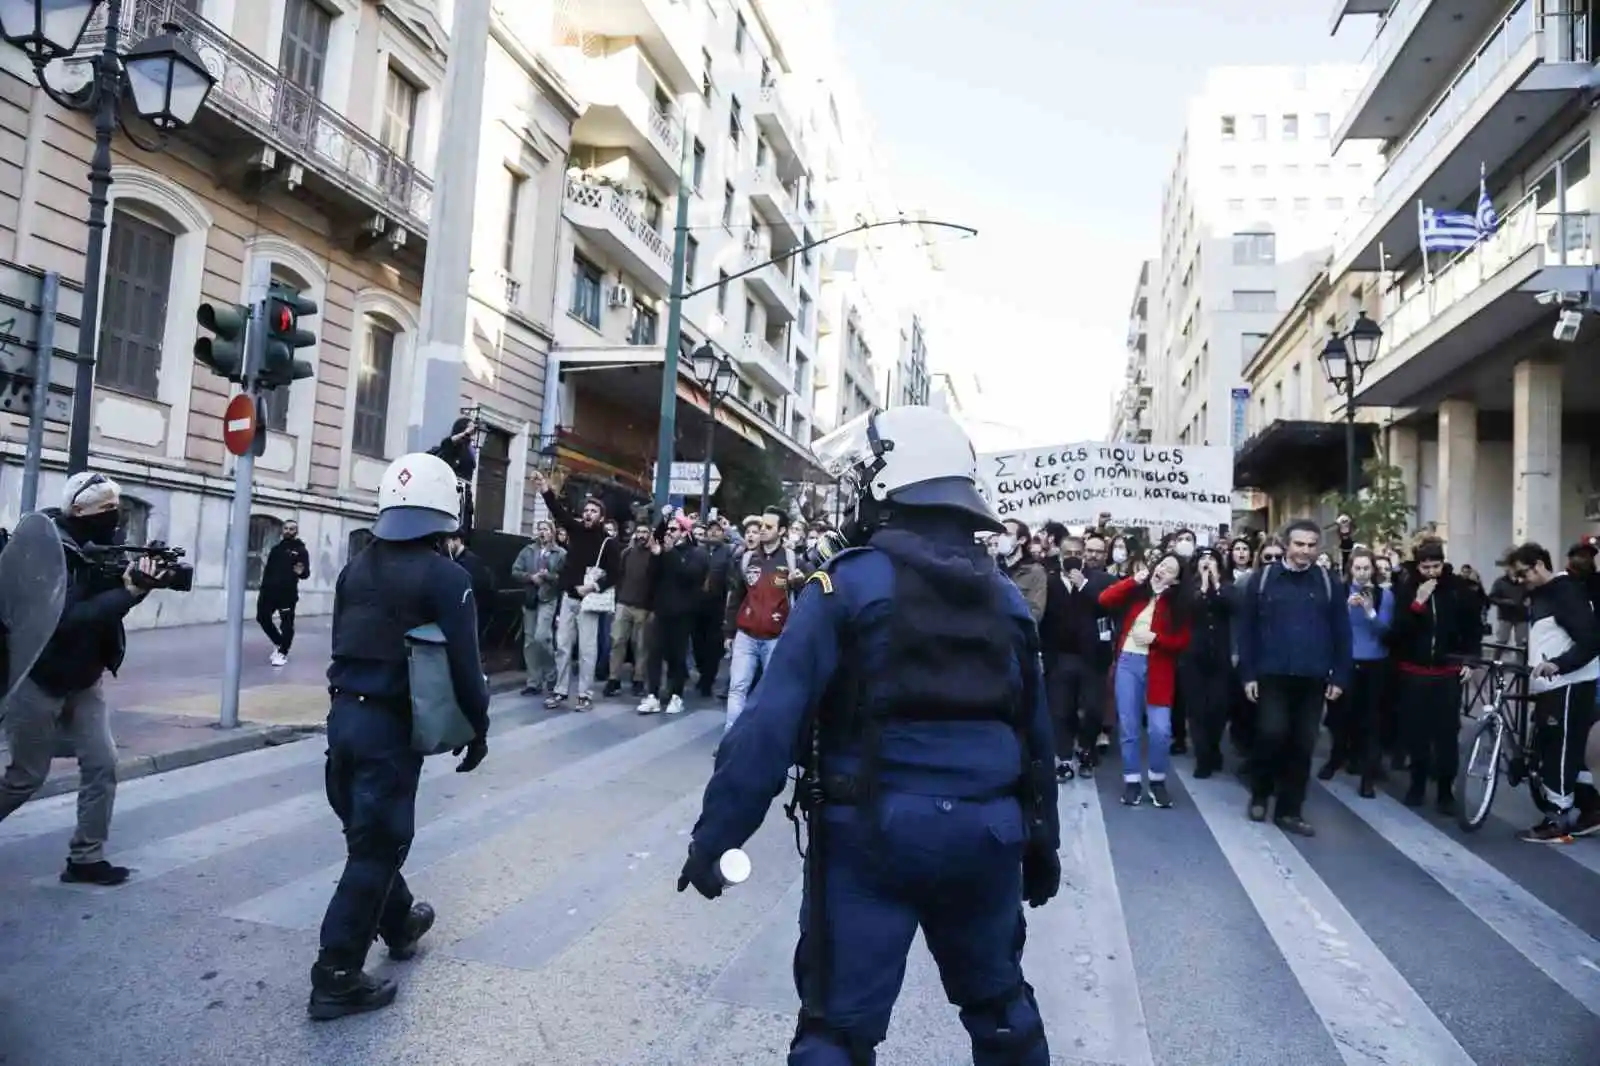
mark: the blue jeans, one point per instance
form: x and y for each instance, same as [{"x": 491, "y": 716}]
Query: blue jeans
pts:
[
  {"x": 371, "y": 778},
  {"x": 750, "y": 655},
  {"x": 602, "y": 662},
  {"x": 1133, "y": 672}
]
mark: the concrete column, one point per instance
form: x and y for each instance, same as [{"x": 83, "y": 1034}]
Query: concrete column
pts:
[
  {"x": 1404, "y": 453},
  {"x": 442, "y": 333},
  {"x": 1536, "y": 455},
  {"x": 1458, "y": 478}
]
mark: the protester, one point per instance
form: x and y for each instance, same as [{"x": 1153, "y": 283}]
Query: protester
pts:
[
  {"x": 1353, "y": 717},
  {"x": 1154, "y": 632}
]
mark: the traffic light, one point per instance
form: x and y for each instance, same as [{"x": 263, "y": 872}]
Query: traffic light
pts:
[
  {"x": 223, "y": 354},
  {"x": 285, "y": 308}
]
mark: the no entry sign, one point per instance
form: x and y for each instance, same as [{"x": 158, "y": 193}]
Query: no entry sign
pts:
[{"x": 239, "y": 424}]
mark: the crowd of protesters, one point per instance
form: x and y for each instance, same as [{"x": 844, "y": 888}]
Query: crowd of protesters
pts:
[
  {"x": 624, "y": 601},
  {"x": 1266, "y": 639}
]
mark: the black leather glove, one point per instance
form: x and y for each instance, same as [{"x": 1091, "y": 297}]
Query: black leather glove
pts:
[
  {"x": 475, "y": 755},
  {"x": 1041, "y": 875},
  {"x": 702, "y": 873}
]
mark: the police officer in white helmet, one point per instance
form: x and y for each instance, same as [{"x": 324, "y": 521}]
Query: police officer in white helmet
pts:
[{"x": 399, "y": 582}]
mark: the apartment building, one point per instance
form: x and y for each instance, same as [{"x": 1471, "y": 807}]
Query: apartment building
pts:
[
  {"x": 1130, "y": 408},
  {"x": 1493, "y": 418},
  {"x": 315, "y": 152},
  {"x": 690, "y": 94},
  {"x": 1247, "y": 212},
  {"x": 908, "y": 381}
]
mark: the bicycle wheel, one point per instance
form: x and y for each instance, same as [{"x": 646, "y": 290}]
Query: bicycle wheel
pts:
[{"x": 1481, "y": 766}]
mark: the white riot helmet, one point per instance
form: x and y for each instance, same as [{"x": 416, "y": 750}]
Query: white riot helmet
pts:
[
  {"x": 417, "y": 498},
  {"x": 909, "y": 457}
]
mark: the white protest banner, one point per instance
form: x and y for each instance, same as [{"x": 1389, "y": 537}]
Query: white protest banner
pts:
[{"x": 1136, "y": 484}]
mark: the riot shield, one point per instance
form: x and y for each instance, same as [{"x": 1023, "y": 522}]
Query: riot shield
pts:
[{"x": 33, "y": 586}]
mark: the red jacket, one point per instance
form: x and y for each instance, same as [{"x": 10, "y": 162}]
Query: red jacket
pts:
[{"x": 1170, "y": 636}]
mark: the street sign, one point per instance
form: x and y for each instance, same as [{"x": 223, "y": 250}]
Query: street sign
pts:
[
  {"x": 686, "y": 478},
  {"x": 239, "y": 424},
  {"x": 19, "y": 333}
]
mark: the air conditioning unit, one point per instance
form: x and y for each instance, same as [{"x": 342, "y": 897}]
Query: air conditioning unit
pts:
[{"x": 621, "y": 296}]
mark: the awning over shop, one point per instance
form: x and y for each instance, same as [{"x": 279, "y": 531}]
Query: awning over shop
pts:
[{"x": 1306, "y": 454}]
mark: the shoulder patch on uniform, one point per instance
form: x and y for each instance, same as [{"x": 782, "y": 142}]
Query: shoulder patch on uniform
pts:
[
  {"x": 833, "y": 561},
  {"x": 821, "y": 577}
]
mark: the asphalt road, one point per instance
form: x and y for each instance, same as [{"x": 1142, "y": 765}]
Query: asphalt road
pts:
[{"x": 1187, "y": 936}]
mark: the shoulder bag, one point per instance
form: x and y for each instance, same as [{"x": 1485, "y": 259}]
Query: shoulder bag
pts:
[{"x": 598, "y": 602}]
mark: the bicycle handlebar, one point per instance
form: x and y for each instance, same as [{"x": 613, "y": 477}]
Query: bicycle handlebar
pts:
[
  {"x": 1492, "y": 664},
  {"x": 1518, "y": 648}
]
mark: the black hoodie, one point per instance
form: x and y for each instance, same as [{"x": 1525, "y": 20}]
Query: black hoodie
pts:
[{"x": 90, "y": 638}]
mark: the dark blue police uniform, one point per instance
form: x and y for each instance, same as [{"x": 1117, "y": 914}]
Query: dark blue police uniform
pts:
[
  {"x": 387, "y": 590},
  {"x": 920, "y": 659}
]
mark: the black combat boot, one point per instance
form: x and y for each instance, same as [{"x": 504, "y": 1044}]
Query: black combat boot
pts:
[
  {"x": 417, "y": 924},
  {"x": 336, "y": 992}
]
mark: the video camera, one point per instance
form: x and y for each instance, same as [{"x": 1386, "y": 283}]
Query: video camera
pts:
[{"x": 172, "y": 573}]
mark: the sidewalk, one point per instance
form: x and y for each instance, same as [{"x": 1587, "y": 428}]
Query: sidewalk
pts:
[{"x": 166, "y": 701}]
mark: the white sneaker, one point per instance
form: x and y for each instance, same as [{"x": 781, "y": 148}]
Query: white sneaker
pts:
[
  {"x": 278, "y": 659},
  {"x": 650, "y": 705},
  {"x": 675, "y": 705}
]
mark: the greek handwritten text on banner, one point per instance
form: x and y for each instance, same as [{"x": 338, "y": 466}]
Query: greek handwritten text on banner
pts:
[{"x": 1137, "y": 484}]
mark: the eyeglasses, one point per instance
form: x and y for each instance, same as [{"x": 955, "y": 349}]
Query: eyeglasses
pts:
[{"x": 1271, "y": 557}]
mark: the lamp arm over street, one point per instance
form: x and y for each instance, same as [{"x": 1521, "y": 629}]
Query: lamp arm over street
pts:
[{"x": 786, "y": 256}]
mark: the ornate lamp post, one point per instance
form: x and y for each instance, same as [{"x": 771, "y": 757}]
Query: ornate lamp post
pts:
[
  {"x": 165, "y": 83},
  {"x": 715, "y": 374},
  {"x": 1345, "y": 359}
]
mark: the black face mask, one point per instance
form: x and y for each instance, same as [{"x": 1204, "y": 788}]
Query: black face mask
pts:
[
  {"x": 95, "y": 528},
  {"x": 1071, "y": 562}
]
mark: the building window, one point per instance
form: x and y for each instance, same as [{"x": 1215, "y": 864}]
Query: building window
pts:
[
  {"x": 399, "y": 114},
  {"x": 722, "y": 293},
  {"x": 807, "y": 313},
  {"x": 1229, "y": 127},
  {"x": 134, "y": 320},
  {"x": 1302, "y": 204},
  {"x": 707, "y": 86},
  {"x": 1250, "y": 344},
  {"x": 1258, "y": 127},
  {"x": 699, "y": 170},
  {"x": 587, "y": 280},
  {"x": 304, "y": 50},
  {"x": 749, "y": 315},
  {"x": 1321, "y": 125},
  {"x": 735, "y": 122},
  {"x": 1254, "y": 248},
  {"x": 1236, "y": 207},
  {"x": 265, "y": 532},
  {"x": 1291, "y": 127},
  {"x": 516, "y": 185},
  {"x": 1255, "y": 300},
  {"x": 133, "y": 520},
  {"x": 762, "y": 152},
  {"x": 642, "y": 330},
  {"x": 376, "y": 371},
  {"x": 691, "y": 252},
  {"x": 740, "y": 31},
  {"x": 727, "y": 206}
]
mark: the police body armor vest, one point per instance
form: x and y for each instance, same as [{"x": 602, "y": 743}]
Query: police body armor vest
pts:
[
  {"x": 951, "y": 655},
  {"x": 381, "y": 599}
]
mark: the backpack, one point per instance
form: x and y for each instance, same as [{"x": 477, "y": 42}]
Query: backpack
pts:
[
  {"x": 1261, "y": 585},
  {"x": 767, "y": 599}
]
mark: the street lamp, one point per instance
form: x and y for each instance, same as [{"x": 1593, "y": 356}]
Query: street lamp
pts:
[
  {"x": 1345, "y": 359},
  {"x": 715, "y": 374},
  {"x": 164, "y": 81}
]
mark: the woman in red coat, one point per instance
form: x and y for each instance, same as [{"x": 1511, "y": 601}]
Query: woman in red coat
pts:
[{"x": 1155, "y": 629}]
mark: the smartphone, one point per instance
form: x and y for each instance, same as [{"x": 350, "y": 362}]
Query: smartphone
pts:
[{"x": 711, "y": 515}]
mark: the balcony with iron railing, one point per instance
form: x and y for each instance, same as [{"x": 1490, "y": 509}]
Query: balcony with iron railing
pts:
[
  {"x": 777, "y": 205},
  {"x": 256, "y": 106},
  {"x": 763, "y": 361},
  {"x": 1484, "y": 294},
  {"x": 621, "y": 114},
  {"x": 1533, "y": 64},
  {"x": 782, "y": 131},
  {"x": 770, "y": 283},
  {"x": 607, "y": 216}
]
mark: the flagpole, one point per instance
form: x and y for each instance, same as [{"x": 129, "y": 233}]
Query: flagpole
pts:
[{"x": 1422, "y": 239}]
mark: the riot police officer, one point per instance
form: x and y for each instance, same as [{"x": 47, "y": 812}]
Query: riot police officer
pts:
[
  {"x": 399, "y": 582},
  {"x": 909, "y": 679}
]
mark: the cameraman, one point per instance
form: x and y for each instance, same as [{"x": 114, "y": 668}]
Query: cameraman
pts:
[{"x": 63, "y": 688}]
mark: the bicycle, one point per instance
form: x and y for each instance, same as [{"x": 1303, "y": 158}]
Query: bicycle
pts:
[{"x": 1501, "y": 735}]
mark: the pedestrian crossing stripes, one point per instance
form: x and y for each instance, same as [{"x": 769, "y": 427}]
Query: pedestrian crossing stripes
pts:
[{"x": 1186, "y": 936}]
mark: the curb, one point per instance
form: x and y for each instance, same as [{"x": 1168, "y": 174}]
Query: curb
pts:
[{"x": 234, "y": 742}]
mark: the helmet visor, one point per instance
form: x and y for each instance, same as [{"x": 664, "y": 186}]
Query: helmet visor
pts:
[{"x": 846, "y": 449}]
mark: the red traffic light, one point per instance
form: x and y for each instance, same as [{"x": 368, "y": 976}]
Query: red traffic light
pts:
[{"x": 283, "y": 319}]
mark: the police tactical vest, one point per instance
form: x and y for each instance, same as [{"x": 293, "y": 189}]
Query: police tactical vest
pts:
[
  {"x": 382, "y": 597},
  {"x": 951, "y": 653}
]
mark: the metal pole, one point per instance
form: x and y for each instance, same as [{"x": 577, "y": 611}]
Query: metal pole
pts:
[
  {"x": 666, "y": 439},
  {"x": 711, "y": 441},
  {"x": 43, "y": 355},
  {"x": 239, "y": 519},
  {"x": 106, "y": 85},
  {"x": 1351, "y": 472}
]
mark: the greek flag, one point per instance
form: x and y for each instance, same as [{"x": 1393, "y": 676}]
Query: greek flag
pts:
[
  {"x": 1447, "y": 231},
  {"x": 1488, "y": 219}
]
